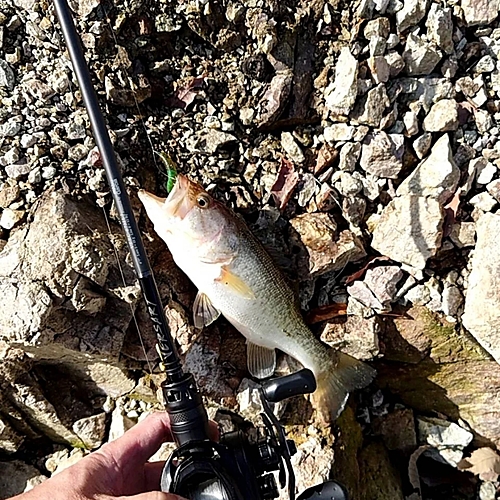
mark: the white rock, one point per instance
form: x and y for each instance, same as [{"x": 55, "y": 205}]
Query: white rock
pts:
[
  {"x": 409, "y": 230},
  {"x": 463, "y": 234},
  {"x": 440, "y": 27},
  {"x": 485, "y": 65},
  {"x": 412, "y": 13},
  {"x": 484, "y": 201},
  {"x": 442, "y": 117},
  {"x": 120, "y": 423},
  {"x": 484, "y": 283},
  {"x": 382, "y": 154},
  {"x": 10, "y": 218},
  {"x": 486, "y": 174},
  {"x": 91, "y": 430},
  {"x": 289, "y": 144},
  {"x": 340, "y": 96},
  {"x": 452, "y": 300},
  {"x": 422, "y": 144},
  {"x": 338, "y": 132},
  {"x": 349, "y": 156},
  {"x": 436, "y": 176},
  {"x": 410, "y": 120},
  {"x": 447, "y": 438},
  {"x": 420, "y": 56},
  {"x": 7, "y": 78},
  {"x": 480, "y": 12}
]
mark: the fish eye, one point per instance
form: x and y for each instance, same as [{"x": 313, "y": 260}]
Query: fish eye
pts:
[{"x": 203, "y": 201}]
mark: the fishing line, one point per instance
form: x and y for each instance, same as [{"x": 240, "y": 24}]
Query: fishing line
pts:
[
  {"x": 115, "y": 251},
  {"x": 117, "y": 257}
]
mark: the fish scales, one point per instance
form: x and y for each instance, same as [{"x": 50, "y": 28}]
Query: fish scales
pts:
[{"x": 236, "y": 277}]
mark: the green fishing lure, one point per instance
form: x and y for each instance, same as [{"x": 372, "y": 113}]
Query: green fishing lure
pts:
[{"x": 171, "y": 168}]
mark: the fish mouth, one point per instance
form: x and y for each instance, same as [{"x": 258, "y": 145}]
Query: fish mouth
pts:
[{"x": 179, "y": 202}]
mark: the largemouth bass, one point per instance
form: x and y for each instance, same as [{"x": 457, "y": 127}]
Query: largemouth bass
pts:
[{"x": 236, "y": 277}]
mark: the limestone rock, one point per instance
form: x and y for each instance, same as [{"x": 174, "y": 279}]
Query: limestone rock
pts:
[
  {"x": 322, "y": 247},
  {"x": 420, "y": 56},
  {"x": 341, "y": 94},
  {"x": 479, "y": 12},
  {"x": 436, "y": 176},
  {"x": 412, "y": 13},
  {"x": 483, "y": 285},
  {"x": 371, "y": 108},
  {"x": 440, "y": 27},
  {"x": 442, "y": 117},
  {"x": 382, "y": 154},
  {"x": 447, "y": 438},
  {"x": 409, "y": 230},
  {"x": 355, "y": 335},
  {"x": 91, "y": 430}
]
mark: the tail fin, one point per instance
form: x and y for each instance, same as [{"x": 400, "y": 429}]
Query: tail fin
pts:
[{"x": 339, "y": 375}]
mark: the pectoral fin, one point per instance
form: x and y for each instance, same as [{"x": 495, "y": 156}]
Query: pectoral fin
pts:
[
  {"x": 261, "y": 361},
  {"x": 204, "y": 311},
  {"x": 235, "y": 283}
]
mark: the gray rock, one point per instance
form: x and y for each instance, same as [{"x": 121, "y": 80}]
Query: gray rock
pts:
[
  {"x": 409, "y": 230},
  {"x": 410, "y": 119},
  {"x": 487, "y": 491},
  {"x": 356, "y": 336},
  {"x": 377, "y": 27},
  {"x": 210, "y": 140},
  {"x": 377, "y": 46},
  {"x": 463, "y": 234},
  {"x": 16, "y": 477},
  {"x": 360, "y": 291},
  {"x": 382, "y": 154},
  {"x": 349, "y": 156},
  {"x": 379, "y": 68},
  {"x": 11, "y": 128},
  {"x": 7, "y": 78},
  {"x": 440, "y": 27},
  {"x": 412, "y": 13},
  {"x": 340, "y": 96},
  {"x": 420, "y": 56},
  {"x": 289, "y": 144},
  {"x": 312, "y": 463},
  {"x": 483, "y": 286},
  {"x": 371, "y": 108},
  {"x": 442, "y": 117},
  {"x": 18, "y": 170},
  {"x": 452, "y": 300},
  {"x": 436, "y": 176},
  {"x": 446, "y": 438},
  {"x": 326, "y": 249},
  {"x": 480, "y": 12},
  {"x": 383, "y": 282},
  {"x": 338, "y": 132},
  {"x": 425, "y": 91},
  {"x": 395, "y": 62}
]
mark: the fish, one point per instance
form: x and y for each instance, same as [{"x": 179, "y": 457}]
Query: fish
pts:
[{"x": 237, "y": 278}]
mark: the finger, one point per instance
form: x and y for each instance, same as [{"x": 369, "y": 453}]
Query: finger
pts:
[
  {"x": 139, "y": 443},
  {"x": 152, "y": 475}
]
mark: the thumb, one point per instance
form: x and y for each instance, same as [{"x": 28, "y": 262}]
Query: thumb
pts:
[{"x": 152, "y": 495}]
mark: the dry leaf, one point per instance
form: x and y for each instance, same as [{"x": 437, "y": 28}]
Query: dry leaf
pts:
[
  {"x": 484, "y": 463},
  {"x": 186, "y": 94},
  {"x": 361, "y": 272},
  {"x": 284, "y": 184},
  {"x": 324, "y": 313},
  {"x": 450, "y": 212}
]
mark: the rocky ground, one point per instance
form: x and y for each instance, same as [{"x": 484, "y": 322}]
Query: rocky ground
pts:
[{"x": 360, "y": 142}]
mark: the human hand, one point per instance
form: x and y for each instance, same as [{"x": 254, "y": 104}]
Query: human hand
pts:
[{"x": 119, "y": 470}]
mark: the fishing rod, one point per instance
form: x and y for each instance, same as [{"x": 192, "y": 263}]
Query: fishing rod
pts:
[{"x": 237, "y": 467}]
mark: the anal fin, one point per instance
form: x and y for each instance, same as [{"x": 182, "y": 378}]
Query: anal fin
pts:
[
  {"x": 204, "y": 312},
  {"x": 261, "y": 361}
]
